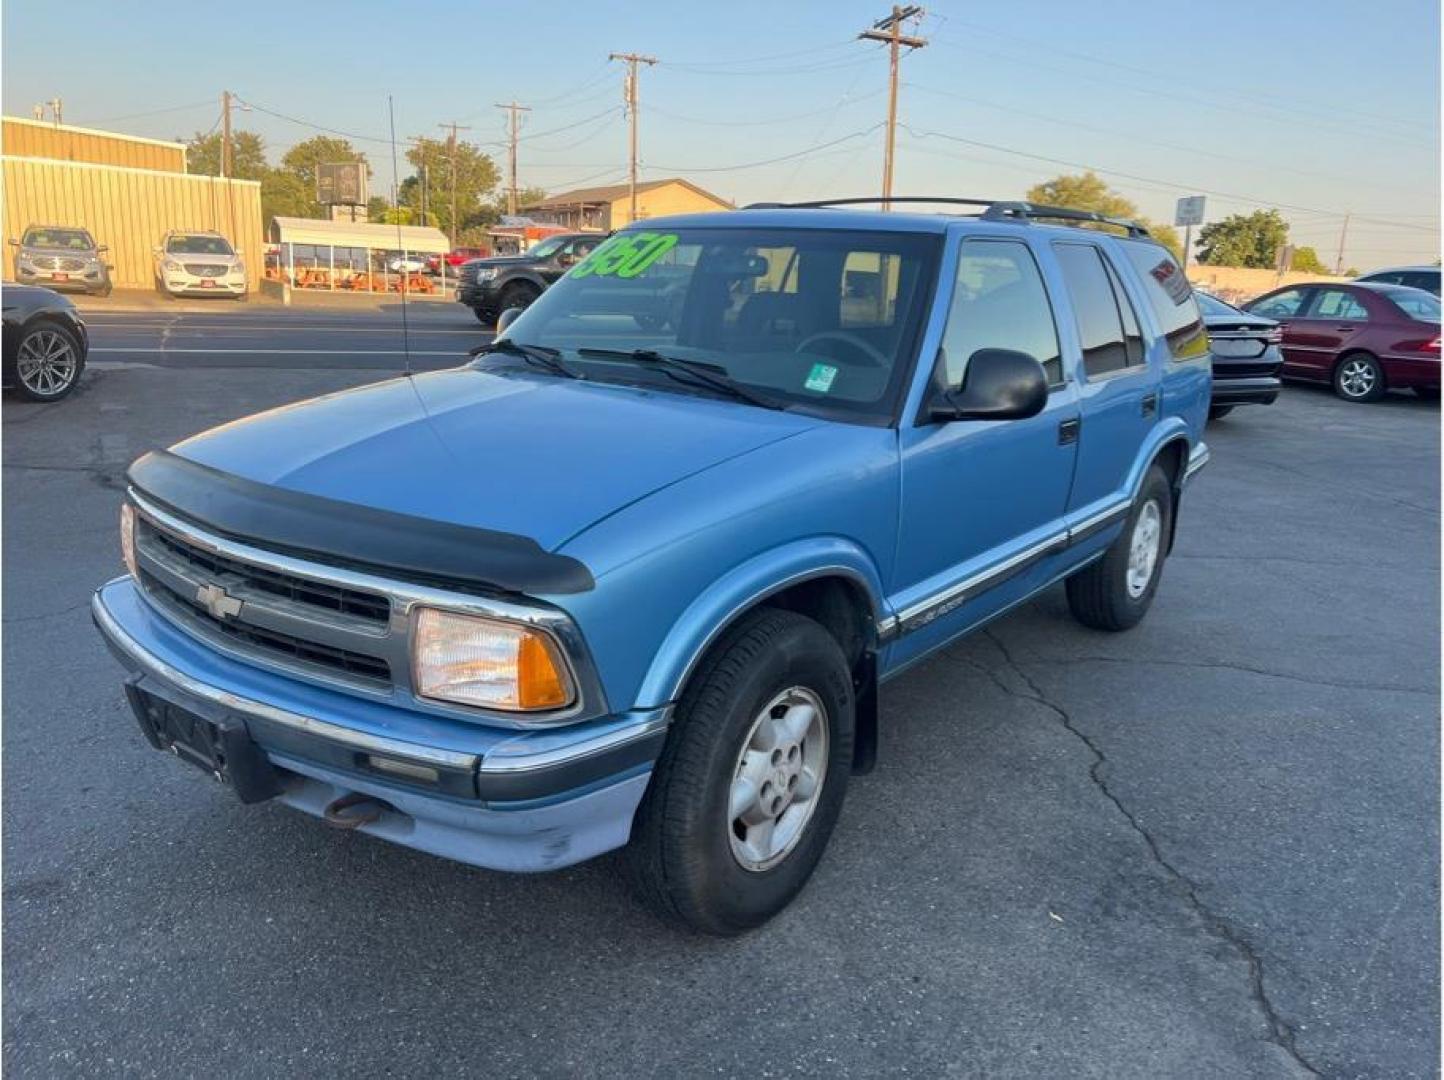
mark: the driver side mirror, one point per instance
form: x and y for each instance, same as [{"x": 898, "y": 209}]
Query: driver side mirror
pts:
[
  {"x": 14, "y": 242},
  {"x": 103, "y": 247},
  {"x": 999, "y": 384},
  {"x": 506, "y": 318},
  {"x": 566, "y": 258}
]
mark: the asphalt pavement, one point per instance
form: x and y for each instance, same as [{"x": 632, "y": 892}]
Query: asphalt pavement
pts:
[{"x": 1206, "y": 848}]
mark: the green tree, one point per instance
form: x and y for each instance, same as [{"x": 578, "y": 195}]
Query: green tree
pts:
[
  {"x": 473, "y": 179},
  {"x": 1087, "y": 191},
  {"x": 1244, "y": 240},
  {"x": 1307, "y": 260},
  {"x": 248, "y": 155}
]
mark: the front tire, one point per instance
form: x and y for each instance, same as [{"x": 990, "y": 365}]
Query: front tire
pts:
[
  {"x": 1115, "y": 592},
  {"x": 518, "y": 295},
  {"x": 48, "y": 362},
  {"x": 1359, "y": 377},
  {"x": 484, "y": 316},
  {"x": 749, "y": 786}
]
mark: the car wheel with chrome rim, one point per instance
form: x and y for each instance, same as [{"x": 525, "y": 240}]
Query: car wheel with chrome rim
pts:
[
  {"x": 751, "y": 780},
  {"x": 47, "y": 364},
  {"x": 1358, "y": 377}
]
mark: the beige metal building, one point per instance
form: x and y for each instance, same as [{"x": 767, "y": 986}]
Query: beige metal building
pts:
[
  {"x": 62, "y": 142},
  {"x": 99, "y": 184},
  {"x": 607, "y": 208}
]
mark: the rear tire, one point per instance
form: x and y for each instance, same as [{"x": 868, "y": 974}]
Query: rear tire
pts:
[
  {"x": 750, "y": 783},
  {"x": 1358, "y": 377},
  {"x": 1218, "y": 412},
  {"x": 1115, "y": 592}
]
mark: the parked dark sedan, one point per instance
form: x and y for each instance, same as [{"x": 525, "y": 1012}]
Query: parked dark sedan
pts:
[
  {"x": 44, "y": 343},
  {"x": 1246, "y": 357},
  {"x": 1364, "y": 339}
]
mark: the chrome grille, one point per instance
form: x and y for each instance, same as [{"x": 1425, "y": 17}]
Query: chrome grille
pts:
[
  {"x": 317, "y": 626},
  {"x": 205, "y": 270},
  {"x": 56, "y": 262}
]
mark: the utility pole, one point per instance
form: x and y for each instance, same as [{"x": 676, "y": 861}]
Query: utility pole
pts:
[
  {"x": 55, "y": 107},
  {"x": 889, "y": 30},
  {"x": 451, "y": 146},
  {"x": 629, "y": 95},
  {"x": 511, "y": 190},
  {"x": 1343, "y": 236},
  {"x": 225, "y": 133}
]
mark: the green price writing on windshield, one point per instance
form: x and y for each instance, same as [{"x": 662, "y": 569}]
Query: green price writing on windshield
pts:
[{"x": 626, "y": 256}]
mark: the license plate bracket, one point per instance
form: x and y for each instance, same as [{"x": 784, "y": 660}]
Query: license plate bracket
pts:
[
  {"x": 208, "y": 283},
  {"x": 219, "y": 745},
  {"x": 59, "y": 277}
]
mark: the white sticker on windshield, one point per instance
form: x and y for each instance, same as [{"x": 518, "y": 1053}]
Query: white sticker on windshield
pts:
[{"x": 820, "y": 378}]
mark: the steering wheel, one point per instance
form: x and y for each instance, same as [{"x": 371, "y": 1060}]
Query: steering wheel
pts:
[{"x": 870, "y": 357}]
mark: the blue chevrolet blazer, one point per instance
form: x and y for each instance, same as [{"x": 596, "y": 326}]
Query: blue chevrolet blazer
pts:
[{"x": 633, "y": 574}]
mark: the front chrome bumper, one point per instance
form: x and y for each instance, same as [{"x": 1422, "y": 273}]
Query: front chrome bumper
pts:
[{"x": 493, "y": 797}]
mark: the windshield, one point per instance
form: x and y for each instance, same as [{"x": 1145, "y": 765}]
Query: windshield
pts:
[
  {"x": 545, "y": 248},
  {"x": 65, "y": 239},
  {"x": 822, "y": 320},
  {"x": 1416, "y": 303},
  {"x": 198, "y": 245},
  {"x": 1212, "y": 305}
]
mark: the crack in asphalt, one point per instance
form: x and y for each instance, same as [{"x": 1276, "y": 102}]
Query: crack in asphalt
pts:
[
  {"x": 1281, "y": 1032},
  {"x": 44, "y": 614},
  {"x": 1224, "y": 665}
]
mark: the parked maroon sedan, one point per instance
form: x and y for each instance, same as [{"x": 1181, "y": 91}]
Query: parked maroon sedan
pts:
[{"x": 1364, "y": 339}]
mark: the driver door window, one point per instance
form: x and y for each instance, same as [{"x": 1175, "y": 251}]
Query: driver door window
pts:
[{"x": 999, "y": 302}]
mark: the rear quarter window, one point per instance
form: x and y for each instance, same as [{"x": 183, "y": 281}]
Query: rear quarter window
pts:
[{"x": 1171, "y": 298}]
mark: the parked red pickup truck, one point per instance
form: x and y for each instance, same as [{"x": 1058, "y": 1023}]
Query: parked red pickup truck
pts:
[{"x": 456, "y": 257}]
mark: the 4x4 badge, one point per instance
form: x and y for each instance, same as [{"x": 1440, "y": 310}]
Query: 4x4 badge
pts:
[{"x": 217, "y": 601}]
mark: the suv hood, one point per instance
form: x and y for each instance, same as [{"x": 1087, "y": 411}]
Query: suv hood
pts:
[
  {"x": 500, "y": 260},
  {"x": 536, "y": 456}
]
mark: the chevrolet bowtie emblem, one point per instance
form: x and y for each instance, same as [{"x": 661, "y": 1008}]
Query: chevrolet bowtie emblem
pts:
[{"x": 218, "y": 602}]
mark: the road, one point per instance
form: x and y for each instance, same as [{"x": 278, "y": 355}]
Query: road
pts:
[
  {"x": 371, "y": 339},
  {"x": 1207, "y": 847}
]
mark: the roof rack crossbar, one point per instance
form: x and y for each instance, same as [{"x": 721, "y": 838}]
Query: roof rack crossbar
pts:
[
  {"x": 1026, "y": 211},
  {"x": 993, "y": 209}
]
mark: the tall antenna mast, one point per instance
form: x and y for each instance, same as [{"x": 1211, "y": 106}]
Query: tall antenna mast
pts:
[{"x": 400, "y": 244}]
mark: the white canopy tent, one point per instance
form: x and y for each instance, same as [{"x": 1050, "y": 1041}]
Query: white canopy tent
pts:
[{"x": 315, "y": 253}]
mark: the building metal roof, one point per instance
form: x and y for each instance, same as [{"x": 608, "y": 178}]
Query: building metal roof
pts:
[
  {"x": 419, "y": 238},
  {"x": 600, "y": 196}
]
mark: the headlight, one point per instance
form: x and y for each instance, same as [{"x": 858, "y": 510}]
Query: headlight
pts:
[
  {"x": 496, "y": 665},
  {"x": 173, "y": 266},
  {"x": 127, "y": 538},
  {"x": 486, "y": 273},
  {"x": 239, "y": 269}
]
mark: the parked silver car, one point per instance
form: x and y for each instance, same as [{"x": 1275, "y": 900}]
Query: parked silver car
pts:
[
  {"x": 61, "y": 257},
  {"x": 199, "y": 264}
]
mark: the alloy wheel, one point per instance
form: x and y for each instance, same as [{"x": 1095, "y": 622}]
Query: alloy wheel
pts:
[
  {"x": 1143, "y": 548},
  {"x": 46, "y": 363},
  {"x": 1357, "y": 378},
  {"x": 778, "y": 779}
]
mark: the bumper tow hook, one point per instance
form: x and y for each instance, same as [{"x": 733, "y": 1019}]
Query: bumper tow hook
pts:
[{"x": 354, "y": 810}]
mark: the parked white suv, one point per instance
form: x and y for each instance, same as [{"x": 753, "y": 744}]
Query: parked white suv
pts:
[{"x": 199, "y": 263}]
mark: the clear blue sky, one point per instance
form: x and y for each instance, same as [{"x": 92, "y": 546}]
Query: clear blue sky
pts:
[{"x": 1313, "y": 106}]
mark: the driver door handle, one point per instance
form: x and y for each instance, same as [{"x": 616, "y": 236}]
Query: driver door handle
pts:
[{"x": 1068, "y": 430}]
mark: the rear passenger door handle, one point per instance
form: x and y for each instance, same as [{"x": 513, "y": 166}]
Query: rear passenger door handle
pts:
[
  {"x": 1343, "y": 329},
  {"x": 1068, "y": 431},
  {"x": 1150, "y": 404}
]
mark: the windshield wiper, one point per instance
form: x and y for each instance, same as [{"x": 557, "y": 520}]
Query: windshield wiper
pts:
[
  {"x": 536, "y": 355},
  {"x": 691, "y": 372}
]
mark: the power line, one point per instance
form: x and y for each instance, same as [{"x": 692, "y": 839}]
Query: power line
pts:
[
  {"x": 768, "y": 161},
  {"x": 611, "y": 111},
  {"x": 155, "y": 112},
  {"x": 763, "y": 122},
  {"x": 813, "y": 51},
  {"x": 1169, "y": 184}
]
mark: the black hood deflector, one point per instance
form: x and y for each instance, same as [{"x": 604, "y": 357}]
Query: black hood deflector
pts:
[{"x": 347, "y": 534}]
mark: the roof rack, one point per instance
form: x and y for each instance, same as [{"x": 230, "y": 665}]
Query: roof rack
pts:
[{"x": 993, "y": 209}]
